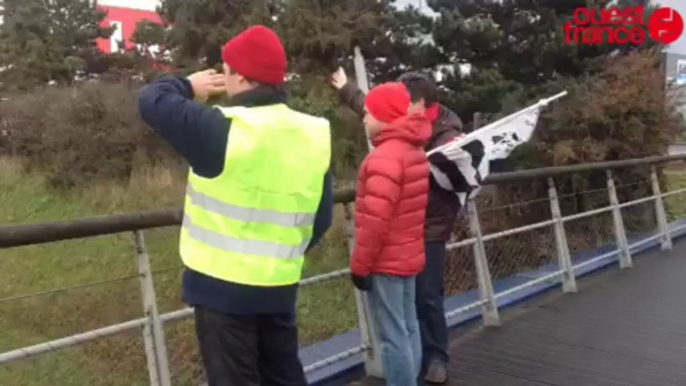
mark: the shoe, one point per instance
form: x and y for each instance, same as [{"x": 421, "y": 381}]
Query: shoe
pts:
[{"x": 437, "y": 373}]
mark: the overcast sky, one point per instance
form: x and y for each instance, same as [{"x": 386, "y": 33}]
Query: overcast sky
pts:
[
  {"x": 135, "y": 4},
  {"x": 150, "y": 4}
]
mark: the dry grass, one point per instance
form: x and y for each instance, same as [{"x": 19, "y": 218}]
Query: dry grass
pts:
[
  {"x": 324, "y": 309},
  {"x": 10, "y": 167},
  {"x": 148, "y": 185}
]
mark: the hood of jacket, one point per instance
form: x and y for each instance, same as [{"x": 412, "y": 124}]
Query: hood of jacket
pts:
[{"x": 414, "y": 129}]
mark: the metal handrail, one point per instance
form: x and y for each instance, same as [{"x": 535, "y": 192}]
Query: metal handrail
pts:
[
  {"x": 21, "y": 235},
  {"x": 554, "y": 171}
]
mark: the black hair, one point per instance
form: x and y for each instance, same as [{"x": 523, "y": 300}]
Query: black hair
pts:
[{"x": 420, "y": 87}]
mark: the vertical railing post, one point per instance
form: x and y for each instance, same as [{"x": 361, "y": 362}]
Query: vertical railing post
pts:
[
  {"x": 150, "y": 353},
  {"x": 360, "y": 71},
  {"x": 362, "y": 83},
  {"x": 663, "y": 228},
  {"x": 372, "y": 357},
  {"x": 153, "y": 330},
  {"x": 489, "y": 310},
  {"x": 620, "y": 233},
  {"x": 565, "y": 261}
]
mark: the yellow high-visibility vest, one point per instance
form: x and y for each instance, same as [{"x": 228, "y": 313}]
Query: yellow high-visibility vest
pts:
[{"x": 252, "y": 224}]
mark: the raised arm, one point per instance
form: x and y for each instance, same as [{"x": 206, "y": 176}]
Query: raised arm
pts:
[
  {"x": 197, "y": 132},
  {"x": 349, "y": 94}
]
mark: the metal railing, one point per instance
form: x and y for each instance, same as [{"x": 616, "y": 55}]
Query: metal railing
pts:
[{"x": 490, "y": 256}]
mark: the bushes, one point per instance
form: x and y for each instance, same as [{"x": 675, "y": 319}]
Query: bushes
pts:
[
  {"x": 622, "y": 112},
  {"x": 93, "y": 131},
  {"x": 82, "y": 133}
]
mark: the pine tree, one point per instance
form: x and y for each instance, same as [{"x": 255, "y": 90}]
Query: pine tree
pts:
[
  {"x": 45, "y": 41},
  {"x": 516, "y": 48},
  {"x": 202, "y": 27},
  {"x": 319, "y": 35}
]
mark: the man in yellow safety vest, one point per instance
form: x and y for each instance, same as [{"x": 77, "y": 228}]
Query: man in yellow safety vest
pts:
[{"x": 259, "y": 196}]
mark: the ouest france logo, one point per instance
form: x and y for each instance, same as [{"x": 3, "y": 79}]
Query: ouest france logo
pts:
[{"x": 623, "y": 26}]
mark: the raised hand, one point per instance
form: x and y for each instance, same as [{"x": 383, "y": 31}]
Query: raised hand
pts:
[
  {"x": 339, "y": 78},
  {"x": 206, "y": 83}
]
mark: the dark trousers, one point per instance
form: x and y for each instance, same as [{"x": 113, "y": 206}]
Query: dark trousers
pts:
[
  {"x": 430, "y": 310},
  {"x": 249, "y": 350}
]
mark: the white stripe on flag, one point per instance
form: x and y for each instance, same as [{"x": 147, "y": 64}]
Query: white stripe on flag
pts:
[{"x": 499, "y": 139}]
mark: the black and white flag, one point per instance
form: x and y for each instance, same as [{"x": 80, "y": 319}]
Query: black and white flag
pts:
[{"x": 460, "y": 165}]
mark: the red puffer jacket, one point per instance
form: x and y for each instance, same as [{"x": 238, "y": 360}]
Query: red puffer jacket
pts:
[{"x": 390, "y": 207}]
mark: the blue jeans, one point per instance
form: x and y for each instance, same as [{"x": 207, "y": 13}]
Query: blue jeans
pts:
[
  {"x": 394, "y": 314},
  {"x": 430, "y": 310}
]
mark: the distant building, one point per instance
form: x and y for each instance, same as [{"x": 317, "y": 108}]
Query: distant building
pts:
[
  {"x": 675, "y": 68},
  {"x": 675, "y": 74},
  {"x": 125, "y": 15}
]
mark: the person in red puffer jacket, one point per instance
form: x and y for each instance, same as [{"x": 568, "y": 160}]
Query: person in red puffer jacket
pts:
[{"x": 392, "y": 195}]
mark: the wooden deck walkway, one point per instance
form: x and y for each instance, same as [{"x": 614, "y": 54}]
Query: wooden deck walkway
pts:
[{"x": 623, "y": 328}]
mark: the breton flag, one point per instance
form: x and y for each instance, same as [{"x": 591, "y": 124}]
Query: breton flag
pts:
[{"x": 459, "y": 166}]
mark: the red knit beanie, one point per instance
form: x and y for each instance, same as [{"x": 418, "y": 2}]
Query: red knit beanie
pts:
[
  {"x": 388, "y": 102},
  {"x": 257, "y": 54}
]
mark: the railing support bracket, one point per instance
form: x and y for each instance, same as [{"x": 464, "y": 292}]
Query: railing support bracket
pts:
[
  {"x": 663, "y": 228},
  {"x": 563, "y": 257},
  {"x": 625, "y": 260},
  {"x": 153, "y": 330},
  {"x": 489, "y": 310}
]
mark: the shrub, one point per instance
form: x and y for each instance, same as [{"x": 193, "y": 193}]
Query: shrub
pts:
[
  {"x": 77, "y": 134},
  {"x": 623, "y": 112},
  {"x": 93, "y": 131}
]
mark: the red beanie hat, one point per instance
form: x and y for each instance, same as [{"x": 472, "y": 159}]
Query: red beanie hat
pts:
[
  {"x": 388, "y": 102},
  {"x": 257, "y": 54}
]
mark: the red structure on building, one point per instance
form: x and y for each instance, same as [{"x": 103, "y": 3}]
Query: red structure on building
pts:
[{"x": 123, "y": 15}]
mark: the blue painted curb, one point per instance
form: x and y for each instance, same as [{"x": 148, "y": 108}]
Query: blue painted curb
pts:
[{"x": 350, "y": 368}]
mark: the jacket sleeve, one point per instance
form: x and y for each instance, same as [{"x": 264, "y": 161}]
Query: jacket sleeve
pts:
[
  {"x": 324, "y": 216},
  {"x": 375, "y": 208},
  {"x": 352, "y": 97},
  {"x": 447, "y": 132},
  {"x": 442, "y": 138},
  {"x": 197, "y": 132}
]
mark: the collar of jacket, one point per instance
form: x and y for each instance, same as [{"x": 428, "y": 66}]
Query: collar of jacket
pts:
[
  {"x": 447, "y": 120},
  {"x": 259, "y": 96}
]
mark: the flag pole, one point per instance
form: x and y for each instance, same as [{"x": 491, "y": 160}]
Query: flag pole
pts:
[
  {"x": 541, "y": 103},
  {"x": 544, "y": 102},
  {"x": 362, "y": 84},
  {"x": 368, "y": 333}
]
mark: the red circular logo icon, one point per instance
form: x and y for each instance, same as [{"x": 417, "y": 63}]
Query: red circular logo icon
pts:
[{"x": 666, "y": 25}]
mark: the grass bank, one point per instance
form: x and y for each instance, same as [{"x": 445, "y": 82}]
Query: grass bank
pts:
[{"x": 109, "y": 292}]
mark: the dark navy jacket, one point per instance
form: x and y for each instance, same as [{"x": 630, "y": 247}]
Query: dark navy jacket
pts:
[{"x": 200, "y": 134}]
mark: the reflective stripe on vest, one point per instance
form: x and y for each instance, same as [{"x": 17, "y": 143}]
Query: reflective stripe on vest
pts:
[
  {"x": 249, "y": 214},
  {"x": 252, "y": 224},
  {"x": 253, "y": 247}
]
